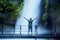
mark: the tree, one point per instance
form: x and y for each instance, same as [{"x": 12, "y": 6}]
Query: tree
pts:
[{"x": 9, "y": 10}]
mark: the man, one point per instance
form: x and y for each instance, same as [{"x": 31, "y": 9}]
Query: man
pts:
[{"x": 30, "y": 21}]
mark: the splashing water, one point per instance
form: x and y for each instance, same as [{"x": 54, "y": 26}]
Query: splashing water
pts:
[{"x": 31, "y": 10}]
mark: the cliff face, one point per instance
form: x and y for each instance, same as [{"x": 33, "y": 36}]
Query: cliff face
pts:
[
  {"x": 41, "y": 11},
  {"x": 50, "y": 11},
  {"x": 54, "y": 13}
]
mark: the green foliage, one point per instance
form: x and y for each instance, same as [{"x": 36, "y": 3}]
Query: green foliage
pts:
[
  {"x": 52, "y": 11},
  {"x": 45, "y": 14},
  {"x": 10, "y": 10},
  {"x": 44, "y": 17}
]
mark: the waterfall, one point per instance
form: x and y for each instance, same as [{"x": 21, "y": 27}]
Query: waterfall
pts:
[{"x": 31, "y": 9}]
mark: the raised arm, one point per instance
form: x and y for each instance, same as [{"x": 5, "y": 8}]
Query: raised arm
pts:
[
  {"x": 26, "y": 19},
  {"x": 34, "y": 19}
]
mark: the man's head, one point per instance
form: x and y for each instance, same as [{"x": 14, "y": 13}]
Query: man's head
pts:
[{"x": 30, "y": 18}]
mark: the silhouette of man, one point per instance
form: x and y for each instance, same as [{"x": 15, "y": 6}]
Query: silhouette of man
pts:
[{"x": 30, "y": 21}]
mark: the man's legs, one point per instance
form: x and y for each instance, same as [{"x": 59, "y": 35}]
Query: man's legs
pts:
[{"x": 28, "y": 30}]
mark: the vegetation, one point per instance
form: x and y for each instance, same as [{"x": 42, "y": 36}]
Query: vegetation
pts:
[
  {"x": 52, "y": 12},
  {"x": 10, "y": 10},
  {"x": 45, "y": 14}
]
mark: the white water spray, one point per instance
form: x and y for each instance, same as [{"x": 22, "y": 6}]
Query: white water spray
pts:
[{"x": 31, "y": 10}]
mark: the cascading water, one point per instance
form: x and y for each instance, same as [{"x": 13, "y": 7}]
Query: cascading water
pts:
[{"x": 31, "y": 10}]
